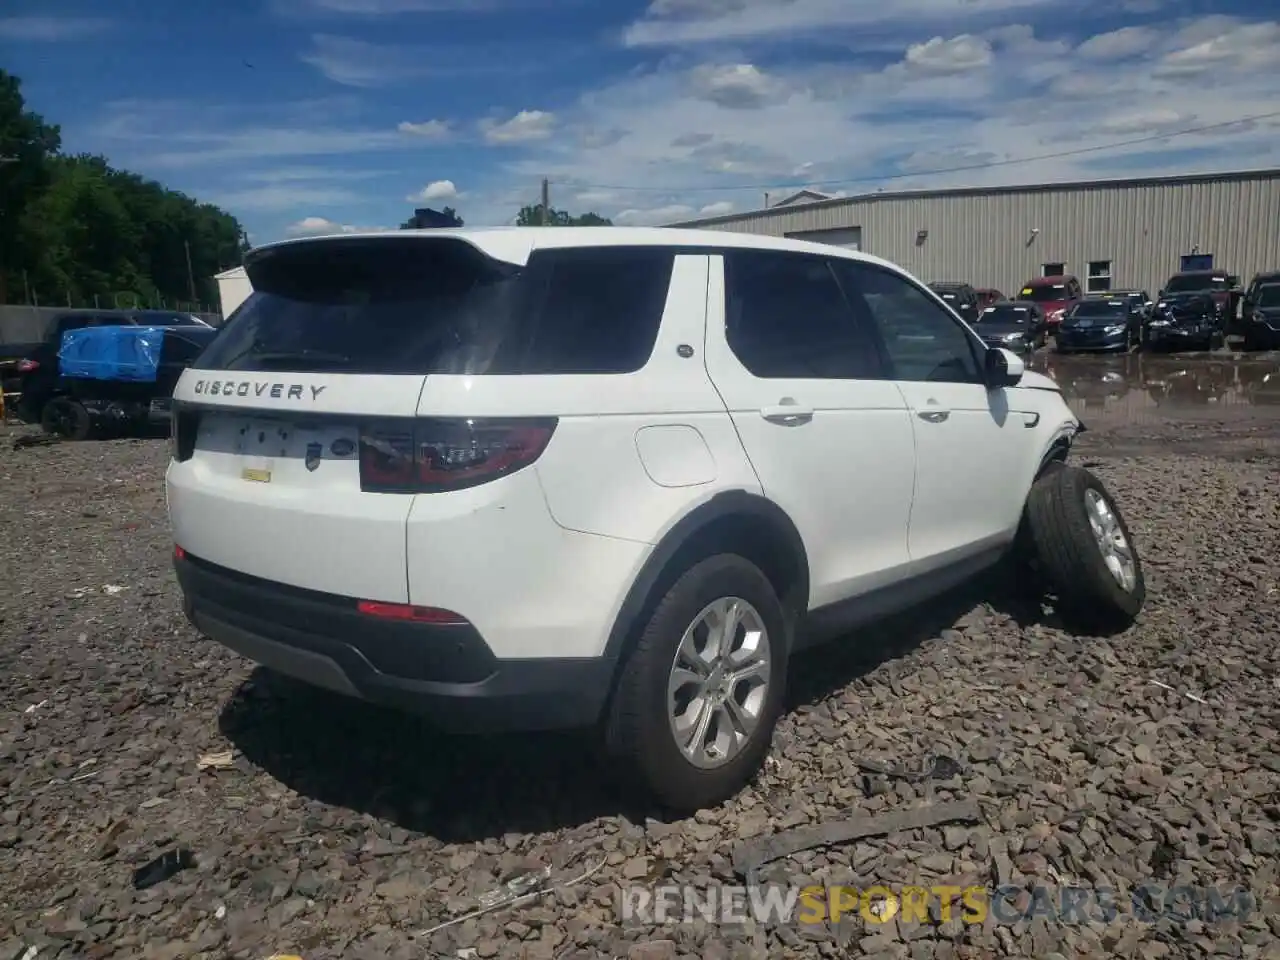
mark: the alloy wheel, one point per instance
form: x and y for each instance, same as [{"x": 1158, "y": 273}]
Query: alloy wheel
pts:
[{"x": 719, "y": 682}]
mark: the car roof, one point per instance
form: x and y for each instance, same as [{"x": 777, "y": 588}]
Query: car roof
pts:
[
  {"x": 948, "y": 284},
  {"x": 516, "y": 244},
  {"x": 1015, "y": 304},
  {"x": 1049, "y": 281}
]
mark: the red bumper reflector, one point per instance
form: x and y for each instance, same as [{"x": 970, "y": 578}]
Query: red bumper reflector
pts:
[
  {"x": 407, "y": 611},
  {"x": 179, "y": 553}
]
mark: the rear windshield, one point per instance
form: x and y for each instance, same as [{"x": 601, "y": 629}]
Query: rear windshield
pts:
[
  {"x": 1190, "y": 282},
  {"x": 1100, "y": 308},
  {"x": 1045, "y": 293},
  {"x": 1004, "y": 315},
  {"x": 440, "y": 305}
]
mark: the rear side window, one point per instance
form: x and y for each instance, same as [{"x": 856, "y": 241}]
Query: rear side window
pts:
[
  {"x": 594, "y": 309},
  {"x": 440, "y": 305},
  {"x": 786, "y": 317}
]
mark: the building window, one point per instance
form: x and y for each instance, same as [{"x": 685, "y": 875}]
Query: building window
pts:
[
  {"x": 1053, "y": 270},
  {"x": 1099, "y": 276}
]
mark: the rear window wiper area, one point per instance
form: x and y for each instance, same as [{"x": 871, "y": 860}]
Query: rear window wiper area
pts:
[{"x": 299, "y": 356}]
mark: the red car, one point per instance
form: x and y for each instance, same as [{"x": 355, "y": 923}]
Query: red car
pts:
[
  {"x": 1056, "y": 295},
  {"x": 987, "y": 296}
]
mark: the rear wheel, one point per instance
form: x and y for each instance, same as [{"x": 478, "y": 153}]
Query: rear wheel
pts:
[
  {"x": 66, "y": 418},
  {"x": 699, "y": 695},
  {"x": 1084, "y": 550}
]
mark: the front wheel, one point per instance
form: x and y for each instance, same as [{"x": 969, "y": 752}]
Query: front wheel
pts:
[
  {"x": 1085, "y": 551},
  {"x": 66, "y": 418},
  {"x": 700, "y": 693}
]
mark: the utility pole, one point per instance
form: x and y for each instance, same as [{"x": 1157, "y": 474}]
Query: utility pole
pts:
[
  {"x": 191, "y": 277},
  {"x": 546, "y": 201}
]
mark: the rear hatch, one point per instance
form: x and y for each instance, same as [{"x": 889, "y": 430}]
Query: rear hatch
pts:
[{"x": 295, "y": 427}]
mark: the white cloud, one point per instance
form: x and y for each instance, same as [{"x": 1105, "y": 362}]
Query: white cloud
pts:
[
  {"x": 717, "y": 209},
  {"x": 320, "y": 226},
  {"x": 52, "y": 29},
  {"x": 973, "y": 98},
  {"x": 356, "y": 63},
  {"x": 427, "y": 129},
  {"x": 957, "y": 55},
  {"x": 736, "y": 86},
  {"x": 633, "y": 217},
  {"x": 525, "y": 126},
  {"x": 1125, "y": 42},
  {"x": 671, "y": 22},
  {"x": 184, "y": 134},
  {"x": 376, "y": 8},
  {"x": 283, "y": 197},
  {"x": 435, "y": 190}
]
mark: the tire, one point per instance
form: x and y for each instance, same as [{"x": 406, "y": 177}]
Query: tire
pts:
[
  {"x": 66, "y": 418},
  {"x": 639, "y": 735},
  {"x": 1060, "y": 524}
]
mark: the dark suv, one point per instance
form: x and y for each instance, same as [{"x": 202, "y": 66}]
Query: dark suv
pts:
[
  {"x": 1223, "y": 288},
  {"x": 1250, "y": 298},
  {"x": 37, "y": 380},
  {"x": 960, "y": 297}
]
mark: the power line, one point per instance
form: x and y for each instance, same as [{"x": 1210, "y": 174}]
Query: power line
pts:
[{"x": 986, "y": 165}]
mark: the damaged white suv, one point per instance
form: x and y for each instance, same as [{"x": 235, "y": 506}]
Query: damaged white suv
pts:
[{"x": 534, "y": 478}]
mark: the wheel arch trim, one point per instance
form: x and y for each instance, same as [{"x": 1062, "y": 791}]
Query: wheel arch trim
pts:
[{"x": 728, "y": 503}]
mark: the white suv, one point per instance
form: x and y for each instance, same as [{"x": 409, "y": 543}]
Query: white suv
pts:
[{"x": 554, "y": 477}]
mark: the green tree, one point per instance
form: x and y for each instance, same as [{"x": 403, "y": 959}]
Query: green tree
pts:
[
  {"x": 26, "y": 145},
  {"x": 531, "y": 216}
]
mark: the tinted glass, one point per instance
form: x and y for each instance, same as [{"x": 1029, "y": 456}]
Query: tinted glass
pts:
[
  {"x": 169, "y": 320},
  {"x": 924, "y": 342},
  {"x": 1269, "y": 296},
  {"x": 1045, "y": 293},
  {"x": 420, "y": 306},
  {"x": 1186, "y": 283},
  {"x": 787, "y": 317},
  {"x": 1005, "y": 316},
  {"x": 1100, "y": 308}
]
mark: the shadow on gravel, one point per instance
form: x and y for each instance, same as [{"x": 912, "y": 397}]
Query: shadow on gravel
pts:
[
  {"x": 459, "y": 789},
  {"x": 820, "y": 672},
  {"x": 398, "y": 768}
]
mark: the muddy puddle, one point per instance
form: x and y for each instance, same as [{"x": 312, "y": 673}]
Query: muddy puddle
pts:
[{"x": 1140, "y": 388}]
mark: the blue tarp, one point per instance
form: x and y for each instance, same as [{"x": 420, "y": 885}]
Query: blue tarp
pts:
[{"x": 125, "y": 353}]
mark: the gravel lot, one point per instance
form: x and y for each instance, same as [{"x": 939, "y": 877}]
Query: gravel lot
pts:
[{"x": 335, "y": 829}]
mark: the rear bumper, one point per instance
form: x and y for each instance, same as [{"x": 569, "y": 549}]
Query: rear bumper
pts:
[{"x": 445, "y": 672}]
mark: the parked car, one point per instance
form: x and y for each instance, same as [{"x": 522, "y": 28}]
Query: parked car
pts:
[
  {"x": 1140, "y": 303},
  {"x": 622, "y": 504},
  {"x": 1262, "y": 325},
  {"x": 1190, "y": 322},
  {"x": 1222, "y": 288},
  {"x": 1056, "y": 295},
  {"x": 1014, "y": 325},
  {"x": 39, "y": 381},
  {"x": 988, "y": 295},
  {"x": 1099, "y": 325},
  {"x": 960, "y": 297},
  {"x": 1250, "y": 296}
]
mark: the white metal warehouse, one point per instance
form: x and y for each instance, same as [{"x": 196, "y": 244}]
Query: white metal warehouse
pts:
[{"x": 1112, "y": 234}]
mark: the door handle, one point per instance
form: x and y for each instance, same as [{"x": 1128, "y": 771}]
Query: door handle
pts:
[
  {"x": 934, "y": 416},
  {"x": 787, "y": 414}
]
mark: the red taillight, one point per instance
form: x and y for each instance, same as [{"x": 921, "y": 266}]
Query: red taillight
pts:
[
  {"x": 409, "y": 612},
  {"x": 435, "y": 455},
  {"x": 28, "y": 366},
  {"x": 179, "y": 553}
]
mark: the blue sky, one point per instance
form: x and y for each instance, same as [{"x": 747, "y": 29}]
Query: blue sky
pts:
[{"x": 317, "y": 115}]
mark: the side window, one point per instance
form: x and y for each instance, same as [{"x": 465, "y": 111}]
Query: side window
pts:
[
  {"x": 786, "y": 317},
  {"x": 922, "y": 340},
  {"x": 595, "y": 309}
]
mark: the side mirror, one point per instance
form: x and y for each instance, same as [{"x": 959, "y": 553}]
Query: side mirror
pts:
[{"x": 1002, "y": 368}]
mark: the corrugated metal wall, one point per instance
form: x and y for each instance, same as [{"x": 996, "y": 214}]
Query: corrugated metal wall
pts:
[{"x": 986, "y": 238}]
